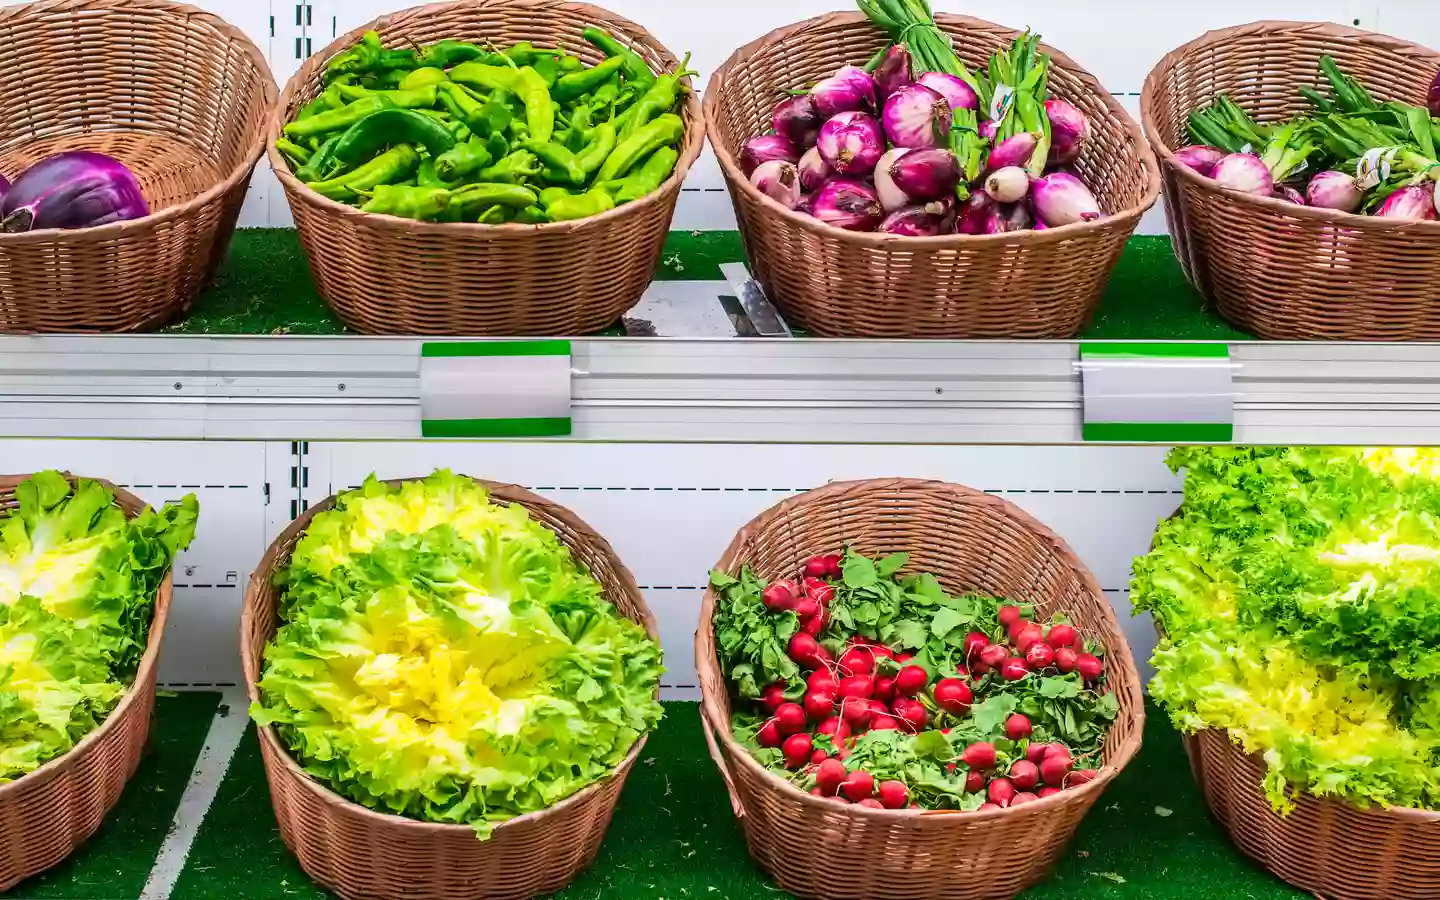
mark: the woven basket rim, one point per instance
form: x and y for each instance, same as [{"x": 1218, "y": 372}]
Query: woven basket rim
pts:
[
  {"x": 708, "y": 705},
  {"x": 694, "y": 141},
  {"x": 511, "y": 493},
  {"x": 1162, "y": 151},
  {"x": 738, "y": 181},
  {"x": 117, "y": 230},
  {"x": 148, "y": 660}
]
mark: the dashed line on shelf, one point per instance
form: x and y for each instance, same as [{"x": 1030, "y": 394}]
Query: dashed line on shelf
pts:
[{"x": 189, "y": 487}]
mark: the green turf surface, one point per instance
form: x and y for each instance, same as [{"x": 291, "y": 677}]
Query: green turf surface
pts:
[
  {"x": 673, "y": 837},
  {"x": 115, "y": 862},
  {"x": 264, "y": 287}
]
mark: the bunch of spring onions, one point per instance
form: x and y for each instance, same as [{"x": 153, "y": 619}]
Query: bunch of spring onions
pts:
[{"x": 1350, "y": 152}]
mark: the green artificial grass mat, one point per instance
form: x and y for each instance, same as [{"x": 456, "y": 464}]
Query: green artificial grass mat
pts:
[
  {"x": 674, "y": 838},
  {"x": 264, "y": 287},
  {"x": 115, "y": 863}
]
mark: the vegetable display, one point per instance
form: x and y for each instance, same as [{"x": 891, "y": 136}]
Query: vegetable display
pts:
[
  {"x": 1348, "y": 152},
  {"x": 455, "y": 132},
  {"x": 77, "y": 595},
  {"x": 865, "y": 686},
  {"x": 915, "y": 144},
  {"x": 1296, "y": 590},
  {"x": 444, "y": 657},
  {"x": 78, "y": 189}
]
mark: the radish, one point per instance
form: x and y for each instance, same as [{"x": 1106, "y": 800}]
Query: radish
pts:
[
  {"x": 772, "y": 696},
  {"x": 1048, "y": 792},
  {"x": 953, "y": 696},
  {"x": 1036, "y": 753},
  {"x": 974, "y": 643},
  {"x": 815, "y": 791},
  {"x": 768, "y": 735},
  {"x": 871, "y": 803},
  {"x": 818, "y": 756},
  {"x": 856, "y": 712},
  {"x": 986, "y": 807},
  {"x": 1010, "y": 615},
  {"x": 910, "y": 681},
  {"x": 806, "y": 608},
  {"x": 819, "y": 706},
  {"x": 829, "y": 726},
  {"x": 885, "y": 688},
  {"x": 823, "y": 594},
  {"x": 822, "y": 681},
  {"x": 979, "y": 756},
  {"x": 884, "y": 722},
  {"x": 974, "y": 782},
  {"x": 1059, "y": 750},
  {"x": 1029, "y": 635},
  {"x": 1090, "y": 667},
  {"x": 1081, "y": 776},
  {"x": 790, "y": 718},
  {"x": 808, "y": 586},
  {"x": 858, "y": 785},
  {"x": 1023, "y": 797},
  {"x": 1066, "y": 660},
  {"x": 837, "y": 799},
  {"x": 779, "y": 596},
  {"x": 797, "y": 749},
  {"x": 1014, "y": 669},
  {"x": 827, "y": 566},
  {"x": 857, "y": 661},
  {"x": 829, "y": 775},
  {"x": 1053, "y": 769},
  {"x": 962, "y": 671},
  {"x": 993, "y": 655},
  {"x": 1062, "y": 635},
  {"x": 816, "y": 623},
  {"x": 1017, "y": 727},
  {"x": 911, "y": 713},
  {"x": 893, "y": 794},
  {"x": 879, "y": 650},
  {"x": 1001, "y": 792},
  {"x": 862, "y": 686},
  {"x": 904, "y": 658},
  {"x": 805, "y": 650},
  {"x": 1024, "y": 775},
  {"x": 1040, "y": 656}
]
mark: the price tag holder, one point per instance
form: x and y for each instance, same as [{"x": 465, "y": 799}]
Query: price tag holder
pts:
[
  {"x": 494, "y": 389},
  {"x": 1171, "y": 393}
]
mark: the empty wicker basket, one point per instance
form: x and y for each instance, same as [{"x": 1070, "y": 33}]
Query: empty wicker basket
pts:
[
  {"x": 48, "y": 813},
  {"x": 970, "y": 541},
  {"x": 1282, "y": 271},
  {"x": 365, "y": 855},
  {"x": 386, "y": 275},
  {"x": 1036, "y": 284},
  {"x": 179, "y": 96}
]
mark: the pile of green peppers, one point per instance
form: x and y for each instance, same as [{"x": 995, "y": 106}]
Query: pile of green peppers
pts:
[{"x": 455, "y": 132}]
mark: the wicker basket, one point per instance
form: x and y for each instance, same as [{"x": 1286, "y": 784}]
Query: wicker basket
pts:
[
  {"x": 1037, "y": 284},
  {"x": 365, "y": 855},
  {"x": 48, "y": 813},
  {"x": 1282, "y": 271},
  {"x": 969, "y": 540},
  {"x": 387, "y": 275},
  {"x": 179, "y": 96}
]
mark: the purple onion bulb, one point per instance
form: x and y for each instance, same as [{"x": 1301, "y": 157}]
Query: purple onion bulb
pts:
[
  {"x": 1015, "y": 150},
  {"x": 849, "y": 90},
  {"x": 918, "y": 118},
  {"x": 75, "y": 189},
  {"x": 797, "y": 119},
  {"x": 1433, "y": 98},
  {"x": 892, "y": 198},
  {"x": 1068, "y": 130},
  {"x": 1289, "y": 194},
  {"x": 955, "y": 91},
  {"x": 814, "y": 171},
  {"x": 779, "y": 180},
  {"x": 849, "y": 204},
  {"x": 1200, "y": 158},
  {"x": 975, "y": 214},
  {"x": 894, "y": 72},
  {"x": 1334, "y": 190},
  {"x": 1061, "y": 199},
  {"x": 765, "y": 148},
  {"x": 1246, "y": 173},
  {"x": 927, "y": 174},
  {"x": 914, "y": 221},
  {"x": 1413, "y": 202},
  {"x": 4, "y": 189},
  {"x": 988, "y": 129},
  {"x": 852, "y": 143},
  {"x": 1008, "y": 185},
  {"x": 1015, "y": 217}
]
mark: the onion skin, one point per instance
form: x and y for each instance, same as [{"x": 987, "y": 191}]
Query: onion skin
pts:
[
  {"x": 78, "y": 189},
  {"x": 1068, "y": 130},
  {"x": 1413, "y": 202},
  {"x": 1015, "y": 150},
  {"x": 852, "y": 143},
  {"x": 975, "y": 214},
  {"x": 849, "y": 90},
  {"x": 917, "y": 118},
  {"x": 799, "y": 120},
  {"x": 848, "y": 204},
  {"x": 1287, "y": 193},
  {"x": 1060, "y": 199},
  {"x": 779, "y": 180},
  {"x": 955, "y": 91},
  {"x": 814, "y": 171},
  {"x": 1015, "y": 217},
  {"x": 892, "y": 198},
  {"x": 1334, "y": 190},
  {"x": 1246, "y": 173},
  {"x": 927, "y": 174},
  {"x": 763, "y": 149},
  {"x": 914, "y": 221},
  {"x": 1200, "y": 158},
  {"x": 894, "y": 72}
]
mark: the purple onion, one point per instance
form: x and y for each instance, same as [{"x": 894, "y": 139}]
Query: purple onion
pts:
[
  {"x": 1039, "y": 226},
  {"x": 779, "y": 180},
  {"x": 1014, "y": 217},
  {"x": 892, "y": 198},
  {"x": 1334, "y": 190},
  {"x": 763, "y": 149},
  {"x": 894, "y": 72},
  {"x": 806, "y": 206},
  {"x": 1068, "y": 130},
  {"x": 1434, "y": 96},
  {"x": 955, "y": 91},
  {"x": 1008, "y": 185},
  {"x": 797, "y": 119},
  {"x": 914, "y": 221},
  {"x": 988, "y": 129},
  {"x": 814, "y": 170},
  {"x": 4, "y": 188},
  {"x": 852, "y": 143},
  {"x": 927, "y": 174},
  {"x": 976, "y": 214},
  {"x": 1015, "y": 150},
  {"x": 1061, "y": 199},
  {"x": 1200, "y": 158},
  {"x": 849, "y": 204},
  {"x": 1413, "y": 202},
  {"x": 1288, "y": 193},
  {"x": 849, "y": 90},
  {"x": 78, "y": 189},
  {"x": 1244, "y": 172},
  {"x": 917, "y": 118}
]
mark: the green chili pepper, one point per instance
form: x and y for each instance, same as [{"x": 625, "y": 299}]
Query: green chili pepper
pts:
[
  {"x": 548, "y": 68},
  {"x": 661, "y": 98},
  {"x": 582, "y": 131},
  {"x": 427, "y": 176},
  {"x": 408, "y": 202},
  {"x": 391, "y": 166},
  {"x": 667, "y": 129},
  {"x": 513, "y": 169},
  {"x": 459, "y": 132},
  {"x": 490, "y": 78},
  {"x": 525, "y": 83},
  {"x": 636, "y": 69},
  {"x": 578, "y": 84},
  {"x": 605, "y": 94},
  {"x": 332, "y": 98},
  {"x": 369, "y": 56},
  {"x": 391, "y": 126},
  {"x": 322, "y": 163},
  {"x": 552, "y": 194},
  {"x": 561, "y": 164},
  {"x": 294, "y": 154},
  {"x": 338, "y": 119},
  {"x": 313, "y": 108},
  {"x": 495, "y": 215},
  {"x": 415, "y": 98},
  {"x": 601, "y": 145},
  {"x": 462, "y": 159},
  {"x": 648, "y": 178},
  {"x": 497, "y": 145},
  {"x": 444, "y": 54},
  {"x": 388, "y": 80},
  {"x": 570, "y": 64},
  {"x": 481, "y": 195},
  {"x": 526, "y": 54},
  {"x": 582, "y": 206},
  {"x": 531, "y": 215},
  {"x": 423, "y": 77}
]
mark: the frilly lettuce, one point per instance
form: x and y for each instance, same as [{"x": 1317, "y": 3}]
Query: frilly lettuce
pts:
[
  {"x": 446, "y": 658},
  {"x": 77, "y": 595}
]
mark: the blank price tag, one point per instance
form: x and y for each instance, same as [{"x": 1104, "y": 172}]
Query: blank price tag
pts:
[
  {"x": 1168, "y": 393},
  {"x": 494, "y": 389}
]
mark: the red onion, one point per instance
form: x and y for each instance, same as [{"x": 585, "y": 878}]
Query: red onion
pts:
[
  {"x": 4, "y": 189},
  {"x": 814, "y": 171},
  {"x": 1008, "y": 185},
  {"x": 1200, "y": 158},
  {"x": 1244, "y": 172},
  {"x": 764, "y": 148},
  {"x": 849, "y": 90},
  {"x": 852, "y": 143},
  {"x": 975, "y": 214},
  {"x": 797, "y": 119},
  {"x": 894, "y": 72},
  {"x": 917, "y": 118},
  {"x": 78, "y": 189},
  {"x": 779, "y": 180},
  {"x": 1015, "y": 217},
  {"x": 927, "y": 174},
  {"x": 1061, "y": 199},
  {"x": 1413, "y": 202},
  {"x": 1068, "y": 130},
  {"x": 804, "y": 206},
  {"x": 1286, "y": 192},
  {"x": 1334, "y": 190},
  {"x": 892, "y": 198},
  {"x": 849, "y": 204},
  {"x": 914, "y": 221},
  {"x": 955, "y": 91},
  {"x": 988, "y": 129},
  {"x": 1015, "y": 150},
  {"x": 1434, "y": 96}
]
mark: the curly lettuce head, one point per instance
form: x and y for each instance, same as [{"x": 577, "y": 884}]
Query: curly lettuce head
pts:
[
  {"x": 77, "y": 594},
  {"x": 446, "y": 658}
]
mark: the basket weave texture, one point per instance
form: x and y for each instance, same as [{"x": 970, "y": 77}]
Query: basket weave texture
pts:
[
  {"x": 48, "y": 813},
  {"x": 1282, "y": 271},
  {"x": 361, "y": 854},
  {"x": 387, "y": 275},
  {"x": 969, "y": 541},
  {"x": 834, "y": 283},
  {"x": 179, "y": 96}
]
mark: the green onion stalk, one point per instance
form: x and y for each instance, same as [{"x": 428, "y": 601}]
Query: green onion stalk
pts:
[
  {"x": 1026, "y": 73},
  {"x": 910, "y": 22}
]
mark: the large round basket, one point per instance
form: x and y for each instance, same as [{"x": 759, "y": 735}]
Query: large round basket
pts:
[
  {"x": 387, "y": 275},
  {"x": 365, "y": 855},
  {"x": 835, "y": 283},
  {"x": 970, "y": 541},
  {"x": 179, "y": 96},
  {"x": 1279, "y": 270},
  {"x": 46, "y": 814}
]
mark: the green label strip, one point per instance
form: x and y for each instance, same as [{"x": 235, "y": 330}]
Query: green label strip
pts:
[
  {"x": 439, "y": 350},
  {"x": 1159, "y": 432},
  {"x": 1151, "y": 349},
  {"x": 498, "y": 427},
  {"x": 494, "y": 428}
]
